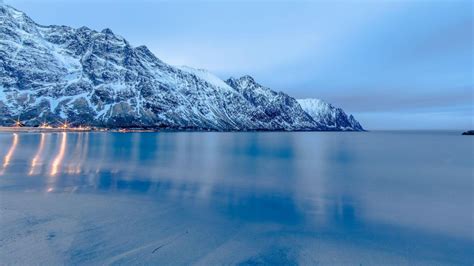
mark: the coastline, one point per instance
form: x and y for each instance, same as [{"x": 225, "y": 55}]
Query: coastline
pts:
[
  {"x": 4, "y": 129},
  {"x": 54, "y": 130}
]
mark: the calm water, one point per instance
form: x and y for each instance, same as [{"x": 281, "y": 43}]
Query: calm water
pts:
[{"x": 237, "y": 198}]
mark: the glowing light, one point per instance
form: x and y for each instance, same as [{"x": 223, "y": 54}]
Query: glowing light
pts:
[
  {"x": 50, "y": 189},
  {"x": 59, "y": 158},
  {"x": 64, "y": 125},
  {"x": 17, "y": 123},
  {"x": 81, "y": 128},
  {"x": 45, "y": 125},
  {"x": 34, "y": 162},
  {"x": 6, "y": 160}
]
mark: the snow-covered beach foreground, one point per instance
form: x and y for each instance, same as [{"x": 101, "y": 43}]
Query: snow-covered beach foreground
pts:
[{"x": 236, "y": 198}]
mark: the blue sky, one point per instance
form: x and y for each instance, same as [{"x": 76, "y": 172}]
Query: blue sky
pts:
[{"x": 393, "y": 64}]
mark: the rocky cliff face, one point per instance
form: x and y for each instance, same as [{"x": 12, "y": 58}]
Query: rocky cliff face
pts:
[
  {"x": 330, "y": 116},
  {"x": 57, "y": 73},
  {"x": 278, "y": 107}
]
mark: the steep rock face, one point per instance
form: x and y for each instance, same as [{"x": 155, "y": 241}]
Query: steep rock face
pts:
[
  {"x": 276, "y": 107},
  {"x": 329, "y": 115},
  {"x": 58, "y": 73}
]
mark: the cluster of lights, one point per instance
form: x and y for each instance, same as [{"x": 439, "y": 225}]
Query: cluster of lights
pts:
[
  {"x": 45, "y": 125},
  {"x": 85, "y": 128},
  {"x": 62, "y": 125}
]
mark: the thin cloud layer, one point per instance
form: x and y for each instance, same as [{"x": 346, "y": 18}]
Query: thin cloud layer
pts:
[{"x": 376, "y": 58}]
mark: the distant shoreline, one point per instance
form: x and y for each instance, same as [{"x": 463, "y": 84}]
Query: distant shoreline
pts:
[
  {"x": 4, "y": 129},
  {"x": 126, "y": 130},
  {"x": 54, "y": 130}
]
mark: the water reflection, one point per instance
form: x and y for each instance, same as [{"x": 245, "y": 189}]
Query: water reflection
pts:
[
  {"x": 325, "y": 182},
  {"x": 78, "y": 154},
  {"x": 37, "y": 157},
  {"x": 8, "y": 156},
  {"x": 60, "y": 156}
]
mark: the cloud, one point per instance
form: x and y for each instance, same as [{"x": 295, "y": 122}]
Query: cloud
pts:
[
  {"x": 416, "y": 121},
  {"x": 369, "y": 56},
  {"x": 404, "y": 100}
]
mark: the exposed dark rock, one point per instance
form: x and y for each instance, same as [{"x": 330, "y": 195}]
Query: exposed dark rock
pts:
[{"x": 58, "y": 73}]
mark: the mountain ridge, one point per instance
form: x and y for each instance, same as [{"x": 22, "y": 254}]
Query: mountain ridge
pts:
[
  {"x": 330, "y": 115},
  {"x": 57, "y": 73}
]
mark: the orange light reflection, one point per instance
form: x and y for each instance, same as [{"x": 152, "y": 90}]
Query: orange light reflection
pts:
[
  {"x": 59, "y": 158},
  {"x": 35, "y": 160},
  {"x": 6, "y": 160}
]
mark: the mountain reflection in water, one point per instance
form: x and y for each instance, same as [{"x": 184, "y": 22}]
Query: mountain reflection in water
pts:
[{"x": 384, "y": 188}]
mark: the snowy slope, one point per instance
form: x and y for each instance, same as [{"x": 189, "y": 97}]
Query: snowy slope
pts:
[
  {"x": 206, "y": 76},
  {"x": 329, "y": 115},
  {"x": 87, "y": 77},
  {"x": 280, "y": 108}
]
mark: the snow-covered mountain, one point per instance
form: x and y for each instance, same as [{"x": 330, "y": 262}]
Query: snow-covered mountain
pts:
[
  {"x": 280, "y": 108},
  {"x": 58, "y": 73},
  {"x": 329, "y": 115}
]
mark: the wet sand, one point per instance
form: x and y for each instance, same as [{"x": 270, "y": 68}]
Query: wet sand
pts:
[{"x": 378, "y": 198}]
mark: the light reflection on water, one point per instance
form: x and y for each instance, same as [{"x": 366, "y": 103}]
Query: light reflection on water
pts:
[
  {"x": 60, "y": 156},
  {"x": 6, "y": 160},
  {"x": 396, "y": 187},
  {"x": 36, "y": 159}
]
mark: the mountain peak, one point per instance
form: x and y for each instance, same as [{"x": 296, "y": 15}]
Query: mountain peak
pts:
[
  {"x": 243, "y": 82},
  {"x": 144, "y": 49},
  {"x": 84, "y": 28},
  {"x": 99, "y": 79},
  {"x": 6, "y": 9},
  {"x": 206, "y": 75},
  {"x": 247, "y": 78},
  {"x": 107, "y": 31},
  {"x": 329, "y": 115}
]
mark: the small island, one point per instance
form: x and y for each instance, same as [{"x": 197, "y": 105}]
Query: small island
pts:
[{"x": 469, "y": 132}]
